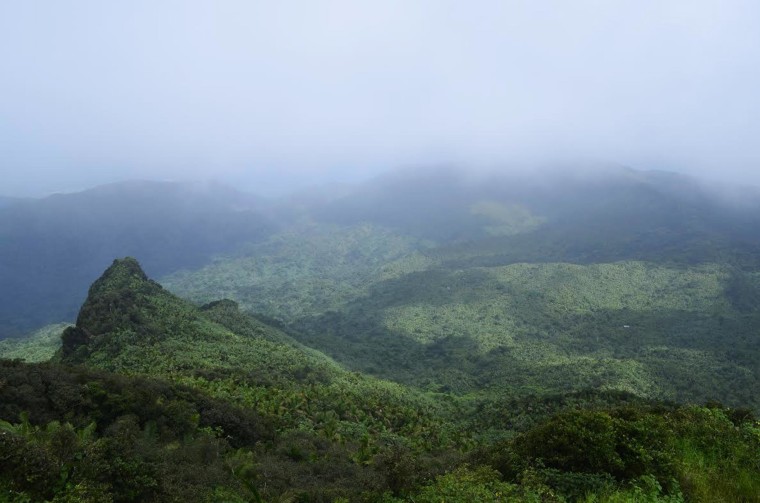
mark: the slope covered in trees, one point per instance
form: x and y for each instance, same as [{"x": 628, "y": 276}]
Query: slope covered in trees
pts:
[
  {"x": 641, "y": 282},
  {"x": 154, "y": 399},
  {"x": 419, "y": 338}
]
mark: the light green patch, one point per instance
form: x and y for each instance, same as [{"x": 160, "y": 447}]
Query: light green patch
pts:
[
  {"x": 485, "y": 322},
  {"x": 507, "y": 219},
  {"x": 555, "y": 327},
  {"x": 636, "y": 286},
  {"x": 414, "y": 262},
  {"x": 518, "y": 299},
  {"x": 39, "y": 346}
]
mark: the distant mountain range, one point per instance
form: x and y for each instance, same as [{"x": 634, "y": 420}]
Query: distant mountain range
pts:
[
  {"x": 618, "y": 278},
  {"x": 608, "y": 214},
  {"x": 51, "y": 248}
]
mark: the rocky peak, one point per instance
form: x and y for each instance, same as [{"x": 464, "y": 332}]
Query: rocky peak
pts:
[{"x": 116, "y": 302}]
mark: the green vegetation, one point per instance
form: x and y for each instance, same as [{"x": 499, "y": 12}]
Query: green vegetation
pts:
[
  {"x": 102, "y": 437},
  {"x": 177, "y": 402},
  {"x": 304, "y": 271},
  {"x": 665, "y": 331},
  {"x": 39, "y": 346},
  {"x": 444, "y": 341},
  {"x": 638, "y": 283}
]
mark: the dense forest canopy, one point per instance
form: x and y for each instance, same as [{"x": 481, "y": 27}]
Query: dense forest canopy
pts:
[{"x": 427, "y": 338}]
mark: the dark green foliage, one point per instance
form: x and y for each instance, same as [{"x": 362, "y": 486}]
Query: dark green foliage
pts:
[
  {"x": 625, "y": 444},
  {"x": 691, "y": 452},
  {"x": 149, "y": 440},
  {"x": 315, "y": 427},
  {"x": 125, "y": 463},
  {"x": 743, "y": 292},
  {"x": 47, "y": 392},
  {"x": 659, "y": 332},
  {"x": 718, "y": 455},
  {"x": 218, "y": 426},
  {"x": 466, "y": 485}
]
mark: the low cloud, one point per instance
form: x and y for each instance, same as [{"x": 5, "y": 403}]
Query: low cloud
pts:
[{"x": 278, "y": 95}]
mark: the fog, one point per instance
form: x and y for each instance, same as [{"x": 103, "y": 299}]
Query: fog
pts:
[{"x": 273, "y": 96}]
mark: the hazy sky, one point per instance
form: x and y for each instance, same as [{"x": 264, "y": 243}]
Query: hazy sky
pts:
[{"x": 288, "y": 92}]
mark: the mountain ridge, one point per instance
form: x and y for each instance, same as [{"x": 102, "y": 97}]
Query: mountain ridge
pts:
[{"x": 51, "y": 248}]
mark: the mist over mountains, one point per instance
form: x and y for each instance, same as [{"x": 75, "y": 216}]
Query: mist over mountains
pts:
[
  {"x": 51, "y": 248},
  {"x": 213, "y": 289},
  {"x": 424, "y": 336}
]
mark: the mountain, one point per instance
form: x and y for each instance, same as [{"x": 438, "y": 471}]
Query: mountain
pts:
[
  {"x": 567, "y": 215},
  {"x": 52, "y": 247},
  {"x": 153, "y": 398},
  {"x": 130, "y": 325},
  {"x": 643, "y": 282},
  {"x": 428, "y": 336}
]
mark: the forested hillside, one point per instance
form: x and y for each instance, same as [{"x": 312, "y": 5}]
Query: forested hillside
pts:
[
  {"x": 591, "y": 337},
  {"x": 641, "y": 282},
  {"x": 170, "y": 401}
]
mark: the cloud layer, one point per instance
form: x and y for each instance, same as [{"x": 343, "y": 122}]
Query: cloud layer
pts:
[{"x": 278, "y": 93}]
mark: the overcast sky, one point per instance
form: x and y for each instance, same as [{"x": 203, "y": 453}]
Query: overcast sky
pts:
[{"x": 275, "y": 94}]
